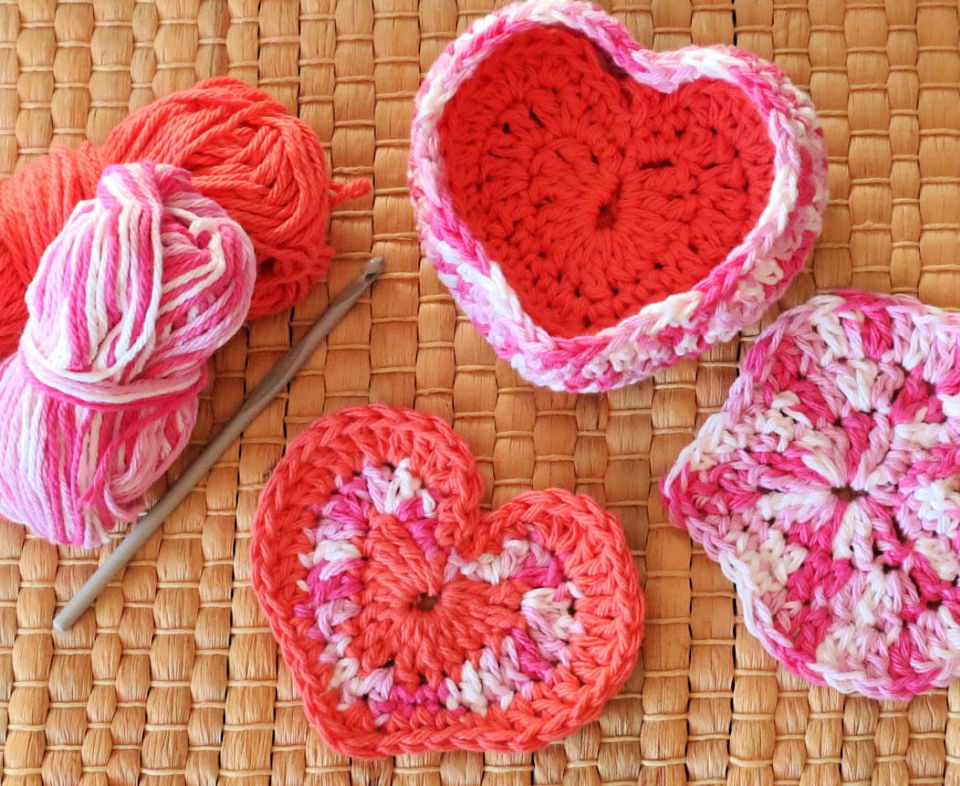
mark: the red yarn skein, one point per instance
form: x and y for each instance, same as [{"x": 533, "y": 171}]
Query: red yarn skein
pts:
[{"x": 243, "y": 150}]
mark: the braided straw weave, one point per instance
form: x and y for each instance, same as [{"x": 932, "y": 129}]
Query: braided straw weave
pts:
[{"x": 175, "y": 677}]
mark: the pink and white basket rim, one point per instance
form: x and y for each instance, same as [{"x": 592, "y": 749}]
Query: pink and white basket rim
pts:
[{"x": 732, "y": 296}]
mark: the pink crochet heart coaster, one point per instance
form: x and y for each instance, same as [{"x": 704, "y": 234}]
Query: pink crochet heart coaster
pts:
[
  {"x": 828, "y": 489},
  {"x": 600, "y": 210},
  {"x": 410, "y": 621}
]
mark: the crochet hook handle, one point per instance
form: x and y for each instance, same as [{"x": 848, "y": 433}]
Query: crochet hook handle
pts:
[{"x": 276, "y": 380}]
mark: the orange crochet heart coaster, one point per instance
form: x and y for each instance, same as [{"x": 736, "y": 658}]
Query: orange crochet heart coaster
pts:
[{"x": 412, "y": 622}]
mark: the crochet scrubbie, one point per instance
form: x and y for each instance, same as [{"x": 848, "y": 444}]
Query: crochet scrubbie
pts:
[
  {"x": 412, "y": 622},
  {"x": 600, "y": 210},
  {"x": 828, "y": 489}
]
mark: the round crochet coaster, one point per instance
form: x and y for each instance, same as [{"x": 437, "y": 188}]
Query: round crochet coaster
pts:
[
  {"x": 410, "y": 621},
  {"x": 828, "y": 489},
  {"x": 600, "y": 210}
]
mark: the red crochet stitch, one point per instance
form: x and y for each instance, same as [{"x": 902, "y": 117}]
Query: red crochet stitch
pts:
[
  {"x": 594, "y": 193},
  {"x": 410, "y": 621}
]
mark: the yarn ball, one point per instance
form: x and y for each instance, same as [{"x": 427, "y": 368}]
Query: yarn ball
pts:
[
  {"x": 131, "y": 299},
  {"x": 243, "y": 150}
]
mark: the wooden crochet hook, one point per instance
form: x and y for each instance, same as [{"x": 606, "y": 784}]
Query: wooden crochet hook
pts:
[{"x": 276, "y": 380}]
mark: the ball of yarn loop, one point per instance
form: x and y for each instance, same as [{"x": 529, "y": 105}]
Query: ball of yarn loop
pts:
[
  {"x": 131, "y": 299},
  {"x": 243, "y": 150}
]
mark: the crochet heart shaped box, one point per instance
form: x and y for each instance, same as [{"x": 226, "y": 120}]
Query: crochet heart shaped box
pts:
[
  {"x": 411, "y": 621},
  {"x": 600, "y": 210},
  {"x": 828, "y": 489}
]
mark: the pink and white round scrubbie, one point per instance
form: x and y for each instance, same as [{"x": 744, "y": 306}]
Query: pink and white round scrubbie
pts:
[
  {"x": 734, "y": 294},
  {"x": 828, "y": 489}
]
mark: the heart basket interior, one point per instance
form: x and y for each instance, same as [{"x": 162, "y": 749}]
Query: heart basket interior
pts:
[{"x": 597, "y": 194}]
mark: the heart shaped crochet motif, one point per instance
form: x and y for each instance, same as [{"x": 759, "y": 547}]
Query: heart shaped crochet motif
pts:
[
  {"x": 600, "y": 210},
  {"x": 412, "y": 622},
  {"x": 828, "y": 489}
]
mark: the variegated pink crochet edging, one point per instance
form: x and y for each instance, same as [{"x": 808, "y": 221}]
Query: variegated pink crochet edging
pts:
[{"x": 736, "y": 292}]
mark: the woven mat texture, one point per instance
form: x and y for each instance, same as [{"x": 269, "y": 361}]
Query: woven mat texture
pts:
[{"x": 175, "y": 677}]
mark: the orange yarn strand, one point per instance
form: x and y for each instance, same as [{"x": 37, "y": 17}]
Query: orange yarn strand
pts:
[{"x": 244, "y": 151}]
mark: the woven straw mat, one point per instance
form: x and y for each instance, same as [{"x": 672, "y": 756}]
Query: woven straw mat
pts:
[{"x": 175, "y": 677}]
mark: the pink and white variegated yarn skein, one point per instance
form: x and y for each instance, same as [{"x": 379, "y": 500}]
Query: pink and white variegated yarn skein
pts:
[{"x": 131, "y": 299}]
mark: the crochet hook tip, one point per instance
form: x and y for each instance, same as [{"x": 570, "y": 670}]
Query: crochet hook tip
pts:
[
  {"x": 374, "y": 269},
  {"x": 275, "y": 380}
]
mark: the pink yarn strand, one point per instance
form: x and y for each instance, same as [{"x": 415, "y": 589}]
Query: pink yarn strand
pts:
[{"x": 143, "y": 284}]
